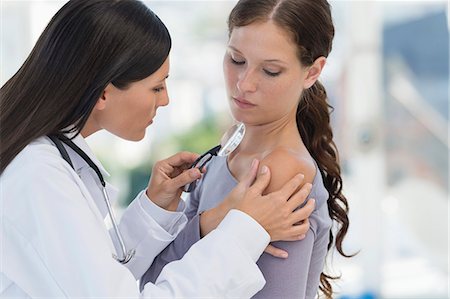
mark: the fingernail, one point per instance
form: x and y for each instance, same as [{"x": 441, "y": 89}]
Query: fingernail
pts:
[
  {"x": 301, "y": 237},
  {"x": 284, "y": 255},
  {"x": 264, "y": 169},
  {"x": 314, "y": 201},
  {"x": 253, "y": 163},
  {"x": 194, "y": 173}
]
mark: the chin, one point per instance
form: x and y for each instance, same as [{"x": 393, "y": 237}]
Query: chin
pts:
[
  {"x": 134, "y": 137},
  {"x": 237, "y": 115}
]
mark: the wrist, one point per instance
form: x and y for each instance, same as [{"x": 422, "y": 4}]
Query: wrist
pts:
[
  {"x": 210, "y": 219},
  {"x": 171, "y": 206}
]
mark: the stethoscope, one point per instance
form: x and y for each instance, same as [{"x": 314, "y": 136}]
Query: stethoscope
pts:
[{"x": 58, "y": 140}]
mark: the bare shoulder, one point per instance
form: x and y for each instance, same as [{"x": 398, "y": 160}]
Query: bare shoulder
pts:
[{"x": 284, "y": 164}]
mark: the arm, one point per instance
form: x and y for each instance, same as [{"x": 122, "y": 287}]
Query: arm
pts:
[
  {"x": 177, "y": 249},
  {"x": 221, "y": 265},
  {"x": 174, "y": 251},
  {"x": 284, "y": 165},
  {"x": 57, "y": 245},
  {"x": 299, "y": 276},
  {"x": 148, "y": 229},
  {"x": 55, "y": 241},
  {"x": 288, "y": 279}
]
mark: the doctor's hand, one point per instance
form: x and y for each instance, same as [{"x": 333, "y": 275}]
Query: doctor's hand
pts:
[
  {"x": 277, "y": 211},
  {"x": 169, "y": 177},
  {"x": 273, "y": 211}
]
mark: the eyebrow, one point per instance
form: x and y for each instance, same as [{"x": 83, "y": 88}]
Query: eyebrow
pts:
[
  {"x": 266, "y": 60},
  {"x": 167, "y": 76}
]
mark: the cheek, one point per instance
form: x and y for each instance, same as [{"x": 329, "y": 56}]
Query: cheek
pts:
[
  {"x": 229, "y": 75},
  {"x": 139, "y": 107},
  {"x": 283, "y": 97}
]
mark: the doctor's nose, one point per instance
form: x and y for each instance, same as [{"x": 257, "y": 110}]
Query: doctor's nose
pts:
[
  {"x": 163, "y": 99},
  {"x": 247, "y": 82}
]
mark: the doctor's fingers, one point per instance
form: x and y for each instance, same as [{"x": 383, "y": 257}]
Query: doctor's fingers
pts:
[
  {"x": 181, "y": 159},
  {"x": 261, "y": 182},
  {"x": 288, "y": 189},
  {"x": 294, "y": 232},
  {"x": 300, "y": 197},
  {"x": 251, "y": 174},
  {"x": 276, "y": 252},
  {"x": 182, "y": 179}
]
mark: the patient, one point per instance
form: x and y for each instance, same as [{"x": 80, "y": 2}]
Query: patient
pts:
[{"x": 276, "y": 52}]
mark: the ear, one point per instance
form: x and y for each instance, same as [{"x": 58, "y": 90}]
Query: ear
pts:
[
  {"x": 314, "y": 72},
  {"x": 102, "y": 101}
]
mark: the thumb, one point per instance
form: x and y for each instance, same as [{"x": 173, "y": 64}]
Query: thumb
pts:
[
  {"x": 262, "y": 181},
  {"x": 251, "y": 175},
  {"x": 186, "y": 177}
]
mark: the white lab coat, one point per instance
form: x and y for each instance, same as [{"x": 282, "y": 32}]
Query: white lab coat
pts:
[{"x": 54, "y": 242}]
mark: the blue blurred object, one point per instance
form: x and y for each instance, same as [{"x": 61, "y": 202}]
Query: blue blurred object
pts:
[{"x": 365, "y": 295}]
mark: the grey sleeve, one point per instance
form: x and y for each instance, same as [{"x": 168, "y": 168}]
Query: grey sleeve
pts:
[
  {"x": 319, "y": 254},
  {"x": 176, "y": 250},
  {"x": 287, "y": 278},
  {"x": 298, "y": 275}
]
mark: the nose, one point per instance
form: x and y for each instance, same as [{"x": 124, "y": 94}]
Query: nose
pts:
[
  {"x": 163, "y": 99},
  {"x": 247, "y": 81}
]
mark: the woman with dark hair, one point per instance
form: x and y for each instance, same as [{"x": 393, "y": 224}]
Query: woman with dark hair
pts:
[
  {"x": 102, "y": 65},
  {"x": 276, "y": 51}
]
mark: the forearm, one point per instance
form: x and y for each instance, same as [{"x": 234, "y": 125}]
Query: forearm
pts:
[
  {"x": 174, "y": 251},
  {"x": 210, "y": 219},
  {"x": 221, "y": 265},
  {"x": 148, "y": 229}
]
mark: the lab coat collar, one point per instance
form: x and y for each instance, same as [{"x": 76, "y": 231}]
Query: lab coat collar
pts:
[{"x": 81, "y": 143}]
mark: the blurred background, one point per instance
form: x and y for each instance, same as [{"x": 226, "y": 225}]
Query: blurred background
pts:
[{"x": 388, "y": 80}]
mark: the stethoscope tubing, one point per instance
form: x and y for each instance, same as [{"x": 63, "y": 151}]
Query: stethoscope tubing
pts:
[{"x": 58, "y": 140}]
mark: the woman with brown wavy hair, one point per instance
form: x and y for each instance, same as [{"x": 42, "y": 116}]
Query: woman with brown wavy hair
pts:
[
  {"x": 102, "y": 65},
  {"x": 276, "y": 51}
]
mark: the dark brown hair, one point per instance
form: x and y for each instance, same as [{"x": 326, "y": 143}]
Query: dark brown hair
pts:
[
  {"x": 87, "y": 45},
  {"x": 310, "y": 24}
]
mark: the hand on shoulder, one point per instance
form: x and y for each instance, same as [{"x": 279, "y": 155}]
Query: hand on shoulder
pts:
[{"x": 285, "y": 164}]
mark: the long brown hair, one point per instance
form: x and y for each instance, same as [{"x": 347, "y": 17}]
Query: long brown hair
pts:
[
  {"x": 86, "y": 45},
  {"x": 310, "y": 24}
]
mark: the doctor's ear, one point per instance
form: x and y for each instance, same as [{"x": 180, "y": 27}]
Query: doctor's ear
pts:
[
  {"x": 101, "y": 102},
  {"x": 314, "y": 72}
]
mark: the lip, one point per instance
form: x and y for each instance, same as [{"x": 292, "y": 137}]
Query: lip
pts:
[{"x": 243, "y": 104}]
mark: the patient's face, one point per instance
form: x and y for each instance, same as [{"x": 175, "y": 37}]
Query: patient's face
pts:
[{"x": 264, "y": 78}]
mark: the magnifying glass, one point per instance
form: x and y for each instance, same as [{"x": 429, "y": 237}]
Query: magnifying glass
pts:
[{"x": 228, "y": 143}]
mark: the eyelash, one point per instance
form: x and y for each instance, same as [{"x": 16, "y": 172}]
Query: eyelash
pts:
[
  {"x": 158, "y": 89},
  {"x": 236, "y": 62},
  {"x": 271, "y": 74}
]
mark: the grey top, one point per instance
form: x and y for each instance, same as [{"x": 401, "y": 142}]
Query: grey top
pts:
[{"x": 294, "y": 277}]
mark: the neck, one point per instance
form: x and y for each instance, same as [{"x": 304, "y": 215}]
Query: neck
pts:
[
  {"x": 264, "y": 138},
  {"x": 89, "y": 128}
]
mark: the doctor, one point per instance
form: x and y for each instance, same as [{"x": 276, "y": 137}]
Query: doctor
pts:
[{"x": 103, "y": 65}]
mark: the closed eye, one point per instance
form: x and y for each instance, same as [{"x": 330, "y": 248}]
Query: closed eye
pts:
[
  {"x": 272, "y": 74},
  {"x": 236, "y": 61}
]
